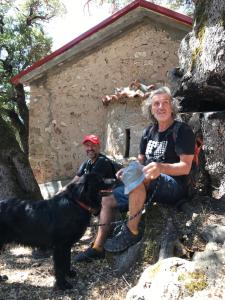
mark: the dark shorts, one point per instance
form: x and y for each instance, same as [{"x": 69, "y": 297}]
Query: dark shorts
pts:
[{"x": 168, "y": 191}]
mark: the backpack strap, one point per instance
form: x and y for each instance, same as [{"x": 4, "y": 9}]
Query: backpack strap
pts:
[
  {"x": 175, "y": 130},
  {"x": 148, "y": 131},
  {"x": 87, "y": 166},
  {"x": 198, "y": 148},
  {"x": 198, "y": 142}
]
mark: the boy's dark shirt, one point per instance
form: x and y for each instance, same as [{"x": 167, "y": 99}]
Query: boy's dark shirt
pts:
[
  {"x": 162, "y": 147},
  {"x": 103, "y": 166}
]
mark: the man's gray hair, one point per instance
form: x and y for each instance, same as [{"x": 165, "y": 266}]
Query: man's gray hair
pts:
[{"x": 147, "y": 105}]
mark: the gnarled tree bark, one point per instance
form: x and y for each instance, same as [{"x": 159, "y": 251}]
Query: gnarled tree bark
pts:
[
  {"x": 16, "y": 176},
  {"x": 201, "y": 75}
]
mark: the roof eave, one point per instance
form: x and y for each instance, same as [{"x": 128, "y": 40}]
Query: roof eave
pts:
[{"x": 26, "y": 75}]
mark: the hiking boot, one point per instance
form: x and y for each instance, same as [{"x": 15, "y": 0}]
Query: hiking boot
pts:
[
  {"x": 89, "y": 255},
  {"x": 123, "y": 240}
]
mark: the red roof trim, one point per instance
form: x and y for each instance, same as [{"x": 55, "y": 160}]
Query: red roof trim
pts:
[{"x": 137, "y": 3}]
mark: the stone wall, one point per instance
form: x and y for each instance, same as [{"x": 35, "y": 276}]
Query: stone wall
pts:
[
  {"x": 66, "y": 102},
  {"x": 120, "y": 118}
]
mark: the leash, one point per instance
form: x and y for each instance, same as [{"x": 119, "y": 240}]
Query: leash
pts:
[{"x": 140, "y": 212}]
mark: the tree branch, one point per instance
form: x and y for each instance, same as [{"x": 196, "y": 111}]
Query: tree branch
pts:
[
  {"x": 1, "y": 24},
  {"x": 32, "y": 18},
  {"x": 24, "y": 114},
  {"x": 33, "y": 14}
]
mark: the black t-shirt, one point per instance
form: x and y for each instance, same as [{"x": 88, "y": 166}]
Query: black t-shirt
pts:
[
  {"x": 102, "y": 166},
  {"x": 167, "y": 146}
]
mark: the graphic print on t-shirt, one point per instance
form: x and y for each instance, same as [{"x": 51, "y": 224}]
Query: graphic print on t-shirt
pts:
[{"x": 155, "y": 151}]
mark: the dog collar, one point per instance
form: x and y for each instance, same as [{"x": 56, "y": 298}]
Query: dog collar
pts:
[
  {"x": 104, "y": 193},
  {"x": 86, "y": 207}
]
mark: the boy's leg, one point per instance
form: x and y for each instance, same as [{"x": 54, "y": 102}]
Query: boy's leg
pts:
[
  {"x": 107, "y": 215},
  {"x": 129, "y": 234},
  {"x": 136, "y": 203},
  {"x": 167, "y": 191}
]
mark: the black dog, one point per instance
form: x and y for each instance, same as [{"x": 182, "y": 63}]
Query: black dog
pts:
[{"x": 57, "y": 223}]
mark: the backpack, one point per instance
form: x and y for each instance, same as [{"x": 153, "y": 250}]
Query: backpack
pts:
[
  {"x": 194, "y": 174},
  {"x": 115, "y": 165}
]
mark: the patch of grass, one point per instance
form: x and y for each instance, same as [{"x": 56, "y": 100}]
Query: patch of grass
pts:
[
  {"x": 194, "y": 56},
  {"x": 194, "y": 281},
  {"x": 151, "y": 250},
  {"x": 154, "y": 270},
  {"x": 201, "y": 32}
]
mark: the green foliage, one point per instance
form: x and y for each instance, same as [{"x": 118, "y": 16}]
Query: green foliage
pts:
[
  {"x": 116, "y": 4},
  {"x": 45, "y": 9},
  {"x": 151, "y": 250},
  {"x": 22, "y": 42},
  {"x": 201, "y": 22},
  {"x": 194, "y": 281},
  {"x": 183, "y": 6},
  {"x": 197, "y": 51},
  {"x": 201, "y": 16}
]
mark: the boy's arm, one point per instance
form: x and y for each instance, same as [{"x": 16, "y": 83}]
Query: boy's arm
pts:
[
  {"x": 183, "y": 167},
  {"x": 74, "y": 180},
  {"x": 141, "y": 159}
]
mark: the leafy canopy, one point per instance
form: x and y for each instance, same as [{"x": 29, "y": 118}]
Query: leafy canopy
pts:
[
  {"x": 183, "y": 6},
  {"x": 22, "y": 42},
  {"x": 22, "y": 38}
]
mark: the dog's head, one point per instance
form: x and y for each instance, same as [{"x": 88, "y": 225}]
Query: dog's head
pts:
[{"x": 88, "y": 190}]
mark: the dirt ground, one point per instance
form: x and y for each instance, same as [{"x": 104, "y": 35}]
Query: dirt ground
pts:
[{"x": 31, "y": 279}]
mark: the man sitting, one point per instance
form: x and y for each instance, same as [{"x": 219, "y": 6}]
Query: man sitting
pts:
[
  {"x": 101, "y": 164},
  {"x": 167, "y": 162},
  {"x": 97, "y": 163},
  {"x": 163, "y": 161}
]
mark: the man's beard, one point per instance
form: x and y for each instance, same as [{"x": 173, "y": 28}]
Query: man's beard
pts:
[{"x": 92, "y": 154}]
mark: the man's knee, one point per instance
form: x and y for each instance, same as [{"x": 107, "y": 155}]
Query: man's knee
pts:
[
  {"x": 140, "y": 188},
  {"x": 109, "y": 202}
]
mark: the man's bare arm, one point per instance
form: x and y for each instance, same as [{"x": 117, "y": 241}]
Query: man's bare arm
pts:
[
  {"x": 183, "y": 167},
  {"x": 74, "y": 180},
  {"x": 141, "y": 158}
]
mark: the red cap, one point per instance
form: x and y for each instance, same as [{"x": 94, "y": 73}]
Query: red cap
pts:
[{"x": 91, "y": 138}]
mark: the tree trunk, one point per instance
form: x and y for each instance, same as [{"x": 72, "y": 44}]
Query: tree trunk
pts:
[
  {"x": 23, "y": 129},
  {"x": 16, "y": 176},
  {"x": 201, "y": 73}
]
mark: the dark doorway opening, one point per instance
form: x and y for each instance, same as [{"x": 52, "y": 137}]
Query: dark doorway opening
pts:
[{"x": 127, "y": 143}]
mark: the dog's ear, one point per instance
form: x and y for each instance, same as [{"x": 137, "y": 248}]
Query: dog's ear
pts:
[
  {"x": 76, "y": 189},
  {"x": 99, "y": 182}
]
